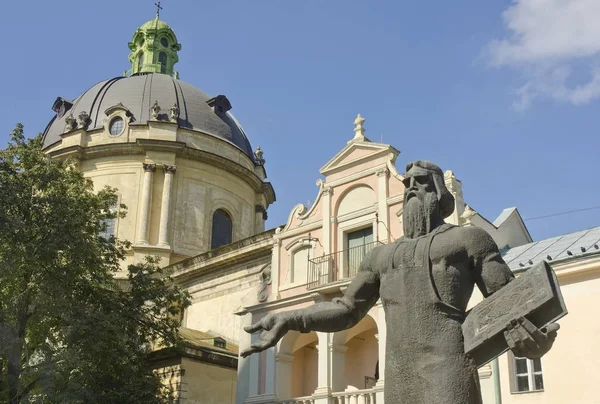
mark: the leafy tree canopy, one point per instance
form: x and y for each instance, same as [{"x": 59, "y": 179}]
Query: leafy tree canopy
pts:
[{"x": 69, "y": 331}]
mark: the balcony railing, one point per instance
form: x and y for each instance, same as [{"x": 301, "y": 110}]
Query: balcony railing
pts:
[
  {"x": 355, "y": 397},
  {"x": 337, "y": 266},
  {"x": 297, "y": 400}
]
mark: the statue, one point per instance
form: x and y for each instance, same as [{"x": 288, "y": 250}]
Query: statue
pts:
[
  {"x": 425, "y": 280},
  {"x": 154, "y": 111},
  {"x": 174, "y": 113}
]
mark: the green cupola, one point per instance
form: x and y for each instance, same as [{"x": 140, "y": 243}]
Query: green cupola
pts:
[{"x": 154, "y": 49}]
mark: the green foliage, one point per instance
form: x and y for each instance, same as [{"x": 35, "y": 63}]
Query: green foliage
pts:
[{"x": 70, "y": 332}]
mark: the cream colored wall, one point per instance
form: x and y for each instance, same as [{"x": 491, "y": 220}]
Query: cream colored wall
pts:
[
  {"x": 197, "y": 183},
  {"x": 361, "y": 359},
  {"x": 207, "y": 384},
  {"x": 217, "y": 296},
  {"x": 304, "y": 371},
  {"x": 571, "y": 368},
  {"x": 123, "y": 173}
]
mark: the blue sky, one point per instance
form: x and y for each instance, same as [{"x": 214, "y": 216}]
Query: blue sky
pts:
[{"x": 502, "y": 93}]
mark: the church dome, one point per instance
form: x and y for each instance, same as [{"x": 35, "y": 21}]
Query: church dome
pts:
[
  {"x": 197, "y": 110},
  {"x": 150, "y": 90}
]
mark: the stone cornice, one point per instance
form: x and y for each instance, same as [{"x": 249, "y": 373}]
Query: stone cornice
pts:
[
  {"x": 202, "y": 264},
  {"x": 180, "y": 148}
]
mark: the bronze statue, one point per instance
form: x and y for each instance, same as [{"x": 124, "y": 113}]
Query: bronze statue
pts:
[{"x": 425, "y": 280}]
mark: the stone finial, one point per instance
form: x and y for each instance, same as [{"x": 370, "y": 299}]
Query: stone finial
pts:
[
  {"x": 174, "y": 113},
  {"x": 83, "y": 120},
  {"x": 359, "y": 130},
  {"x": 258, "y": 154},
  {"x": 467, "y": 215},
  {"x": 70, "y": 121},
  {"x": 155, "y": 109}
]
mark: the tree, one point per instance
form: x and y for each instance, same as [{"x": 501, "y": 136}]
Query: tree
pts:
[{"x": 69, "y": 331}]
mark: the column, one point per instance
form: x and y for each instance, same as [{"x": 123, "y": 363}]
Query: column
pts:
[
  {"x": 381, "y": 339},
  {"x": 323, "y": 390},
  {"x": 260, "y": 215},
  {"x": 243, "y": 370},
  {"x": 254, "y": 365},
  {"x": 270, "y": 373},
  {"x": 284, "y": 375},
  {"x": 145, "y": 203},
  {"x": 382, "y": 207},
  {"x": 338, "y": 364},
  {"x": 165, "y": 209}
]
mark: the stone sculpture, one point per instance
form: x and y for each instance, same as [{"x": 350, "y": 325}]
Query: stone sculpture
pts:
[{"x": 425, "y": 281}]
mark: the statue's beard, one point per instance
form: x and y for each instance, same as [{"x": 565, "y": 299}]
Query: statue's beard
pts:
[{"x": 420, "y": 215}]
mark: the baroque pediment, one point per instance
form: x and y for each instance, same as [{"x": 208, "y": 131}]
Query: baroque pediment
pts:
[{"x": 357, "y": 152}]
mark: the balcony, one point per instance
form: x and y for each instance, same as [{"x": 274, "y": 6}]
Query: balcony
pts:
[
  {"x": 368, "y": 396},
  {"x": 337, "y": 266}
]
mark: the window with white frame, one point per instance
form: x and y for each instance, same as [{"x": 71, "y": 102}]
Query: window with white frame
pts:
[
  {"x": 358, "y": 244},
  {"x": 527, "y": 375}
]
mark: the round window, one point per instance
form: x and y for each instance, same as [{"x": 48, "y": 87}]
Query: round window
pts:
[
  {"x": 164, "y": 42},
  {"x": 116, "y": 126}
]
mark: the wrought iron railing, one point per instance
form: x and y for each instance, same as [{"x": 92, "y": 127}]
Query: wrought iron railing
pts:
[{"x": 338, "y": 265}]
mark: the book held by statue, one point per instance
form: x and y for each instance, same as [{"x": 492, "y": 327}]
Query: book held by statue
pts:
[{"x": 534, "y": 295}]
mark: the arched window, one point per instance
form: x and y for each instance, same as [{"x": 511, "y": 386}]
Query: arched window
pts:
[
  {"x": 162, "y": 59},
  {"x": 222, "y": 229},
  {"x": 140, "y": 62},
  {"x": 299, "y": 270}
]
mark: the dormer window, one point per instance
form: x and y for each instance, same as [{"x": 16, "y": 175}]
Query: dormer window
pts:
[
  {"x": 220, "y": 343},
  {"x": 219, "y": 104},
  {"x": 164, "y": 42},
  {"x": 61, "y": 106}
]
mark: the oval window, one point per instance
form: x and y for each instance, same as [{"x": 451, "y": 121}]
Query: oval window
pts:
[
  {"x": 164, "y": 42},
  {"x": 116, "y": 126}
]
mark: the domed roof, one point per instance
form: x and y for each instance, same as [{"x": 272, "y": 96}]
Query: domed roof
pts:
[
  {"x": 138, "y": 93},
  {"x": 155, "y": 24}
]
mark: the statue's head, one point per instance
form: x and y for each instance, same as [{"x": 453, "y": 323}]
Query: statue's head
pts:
[{"x": 427, "y": 201}]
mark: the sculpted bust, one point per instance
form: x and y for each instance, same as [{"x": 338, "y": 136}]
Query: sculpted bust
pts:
[{"x": 425, "y": 280}]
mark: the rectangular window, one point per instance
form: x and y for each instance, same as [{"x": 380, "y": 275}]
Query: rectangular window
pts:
[
  {"x": 109, "y": 230},
  {"x": 527, "y": 375},
  {"x": 358, "y": 244}
]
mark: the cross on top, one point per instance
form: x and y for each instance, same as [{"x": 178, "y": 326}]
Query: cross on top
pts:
[{"x": 158, "y": 8}]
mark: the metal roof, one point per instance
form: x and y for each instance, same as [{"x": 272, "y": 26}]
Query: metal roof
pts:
[
  {"x": 138, "y": 93},
  {"x": 554, "y": 249}
]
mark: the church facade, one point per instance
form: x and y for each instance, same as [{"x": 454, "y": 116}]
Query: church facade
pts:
[{"x": 197, "y": 196}]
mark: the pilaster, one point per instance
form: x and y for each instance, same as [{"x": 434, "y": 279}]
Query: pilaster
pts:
[
  {"x": 383, "y": 223},
  {"x": 326, "y": 206},
  {"x": 275, "y": 269},
  {"x": 145, "y": 202},
  {"x": 165, "y": 209}
]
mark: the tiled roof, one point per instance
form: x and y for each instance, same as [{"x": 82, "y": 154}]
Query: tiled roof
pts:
[
  {"x": 554, "y": 249},
  {"x": 202, "y": 339},
  {"x": 138, "y": 93}
]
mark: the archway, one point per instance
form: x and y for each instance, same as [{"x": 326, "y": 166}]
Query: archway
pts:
[
  {"x": 297, "y": 359},
  {"x": 355, "y": 357}
]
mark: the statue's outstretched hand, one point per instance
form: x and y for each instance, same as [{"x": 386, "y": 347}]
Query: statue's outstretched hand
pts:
[
  {"x": 527, "y": 341},
  {"x": 273, "y": 327}
]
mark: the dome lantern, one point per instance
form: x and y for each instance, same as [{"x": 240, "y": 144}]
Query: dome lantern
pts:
[{"x": 154, "y": 49}]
